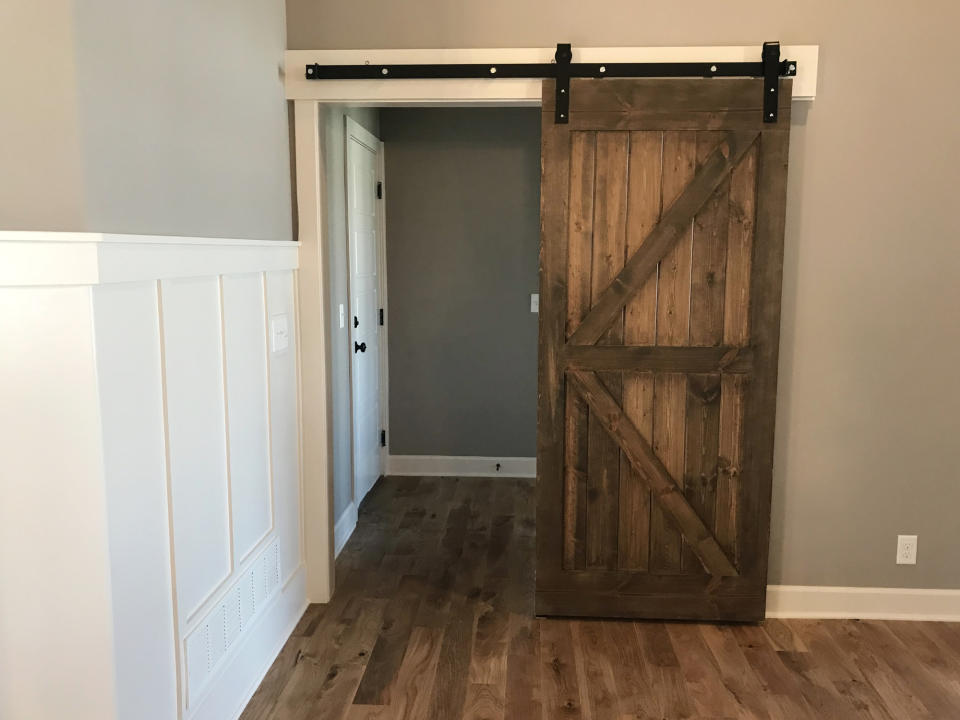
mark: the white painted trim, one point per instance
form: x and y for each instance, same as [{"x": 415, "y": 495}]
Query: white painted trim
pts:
[
  {"x": 344, "y": 528},
  {"x": 31, "y": 259},
  {"x": 315, "y": 398},
  {"x": 504, "y": 90},
  {"x": 461, "y": 466},
  {"x": 866, "y": 603}
]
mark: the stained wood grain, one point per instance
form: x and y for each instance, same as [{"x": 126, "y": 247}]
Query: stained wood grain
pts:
[
  {"x": 609, "y": 247},
  {"x": 583, "y": 147},
  {"x": 784, "y": 669},
  {"x": 654, "y": 472},
  {"x": 681, "y": 341},
  {"x": 639, "y": 328},
  {"x": 684, "y": 194}
]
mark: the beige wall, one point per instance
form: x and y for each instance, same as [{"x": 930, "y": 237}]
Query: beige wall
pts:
[
  {"x": 162, "y": 117},
  {"x": 867, "y": 421},
  {"x": 40, "y": 159}
]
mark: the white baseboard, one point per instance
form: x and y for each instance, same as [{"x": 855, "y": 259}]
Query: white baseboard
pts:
[
  {"x": 461, "y": 466},
  {"x": 865, "y": 603},
  {"x": 344, "y": 527}
]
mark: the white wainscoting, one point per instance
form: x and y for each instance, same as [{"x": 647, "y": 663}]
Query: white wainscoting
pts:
[{"x": 195, "y": 417}]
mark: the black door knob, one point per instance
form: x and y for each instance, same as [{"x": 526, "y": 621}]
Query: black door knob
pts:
[{"x": 359, "y": 347}]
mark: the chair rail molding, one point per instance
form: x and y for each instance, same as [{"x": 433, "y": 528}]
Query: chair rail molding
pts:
[{"x": 32, "y": 259}]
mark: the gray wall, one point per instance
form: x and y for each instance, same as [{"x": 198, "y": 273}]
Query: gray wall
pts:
[
  {"x": 159, "y": 117},
  {"x": 463, "y": 196},
  {"x": 866, "y": 419},
  {"x": 333, "y": 144}
]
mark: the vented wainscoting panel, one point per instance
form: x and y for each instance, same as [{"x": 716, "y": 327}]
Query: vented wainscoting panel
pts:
[{"x": 224, "y": 626}]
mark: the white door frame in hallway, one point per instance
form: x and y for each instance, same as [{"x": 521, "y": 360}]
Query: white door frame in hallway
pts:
[{"x": 365, "y": 252}]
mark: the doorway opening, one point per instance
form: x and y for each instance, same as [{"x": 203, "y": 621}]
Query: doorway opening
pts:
[{"x": 434, "y": 331}]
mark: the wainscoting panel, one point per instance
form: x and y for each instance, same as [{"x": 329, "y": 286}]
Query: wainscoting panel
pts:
[
  {"x": 284, "y": 417},
  {"x": 166, "y": 374},
  {"x": 245, "y": 343},
  {"x": 135, "y": 473},
  {"x": 196, "y": 437}
]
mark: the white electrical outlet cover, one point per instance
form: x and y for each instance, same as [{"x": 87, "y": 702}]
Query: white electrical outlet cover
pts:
[
  {"x": 535, "y": 302},
  {"x": 906, "y": 549}
]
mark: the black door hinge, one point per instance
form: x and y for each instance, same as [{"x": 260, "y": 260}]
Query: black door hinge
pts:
[
  {"x": 383, "y": 438},
  {"x": 379, "y": 190},
  {"x": 381, "y": 316}
]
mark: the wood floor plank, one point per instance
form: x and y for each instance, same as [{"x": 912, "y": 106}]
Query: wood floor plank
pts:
[{"x": 445, "y": 631}]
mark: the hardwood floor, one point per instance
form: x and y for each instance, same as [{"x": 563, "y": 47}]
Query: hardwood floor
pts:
[{"x": 432, "y": 618}]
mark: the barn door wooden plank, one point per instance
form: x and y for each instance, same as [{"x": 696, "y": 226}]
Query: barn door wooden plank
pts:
[
  {"x": 649, "y": 358},
  {"x": 554, "y": 212},
  {"x": 583, "y": 148},
  {"x": 609, "y": 248},
  {"x": 666, "y": 492},
  {"x": 707, "y": 285},
  {"x": 742, "y": 210},
  {"x": 673, "y": 328},
  {"x": 701, "y": 453},
  {"x": 639, "y": 328},
  {"x": 673, "y": 225},
  {"x": 766, "y": 277}
]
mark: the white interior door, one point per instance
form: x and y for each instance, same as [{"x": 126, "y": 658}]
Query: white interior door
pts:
[{"x": 362, "y": 229}]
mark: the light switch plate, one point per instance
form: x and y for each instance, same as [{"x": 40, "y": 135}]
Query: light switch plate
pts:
[
  {"x": 341, "y": 316},
  {"x": 279, "y": 333},
  {"x": 535, "y": 302}
]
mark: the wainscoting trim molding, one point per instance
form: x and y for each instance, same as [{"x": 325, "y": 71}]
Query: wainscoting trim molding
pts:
[
  {"x": 32, "y": 259},
  {"x": 866, "y": 603},
  {"x": 344, "y": 527},
  {"x": 461, "y": 465}
]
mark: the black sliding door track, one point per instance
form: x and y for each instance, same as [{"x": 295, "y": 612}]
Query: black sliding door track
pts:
[{"x": 770, "y": 67}]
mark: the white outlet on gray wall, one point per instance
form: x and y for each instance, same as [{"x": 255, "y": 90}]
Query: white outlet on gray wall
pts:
[{"x": 906, "y": 549}]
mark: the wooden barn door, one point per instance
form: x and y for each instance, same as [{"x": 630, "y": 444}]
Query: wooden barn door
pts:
[{"x": 661, "y": 257}]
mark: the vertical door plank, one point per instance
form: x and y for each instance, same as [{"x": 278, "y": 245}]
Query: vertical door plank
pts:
[
  {"x": 639, "y": 328},
  {"x": 554, "y": 208},
  {"x": 609, "y": 246},
  {"x": 728, "y": 463},
  {"x": 673, "y": 328},
  {"x": 760, "y": 405},
  {"x": 707, "y": 269},
  {"x": 740, "y": 235},
  {"x": 709, "y": 256},
  {"x": 669, "y": 411},
  {"x": 741, "y": 212},
  {"x": 673, "y": 304},
  {"x": 579, "y": 261}
]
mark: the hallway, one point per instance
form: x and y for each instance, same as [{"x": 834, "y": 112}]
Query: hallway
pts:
[{"x": 432, "y": 618}]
